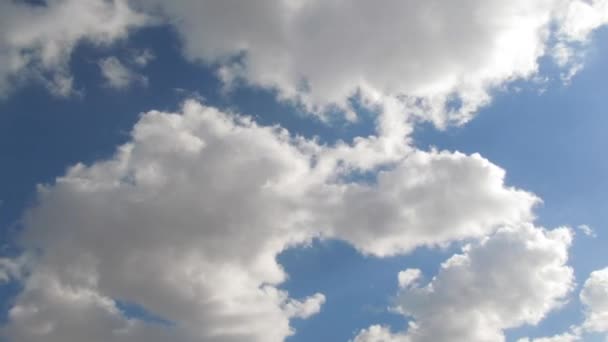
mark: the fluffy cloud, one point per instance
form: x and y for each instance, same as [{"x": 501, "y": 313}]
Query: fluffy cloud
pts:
[
  {"x": 426, "y": 199},
  {"x": 119, "y": 76},
  {"x": 508, "y": 279},
  {"x": 594, "y": 297},
  {"x": 36, "y": 41},
  {"x": 440, "y": 58},
  {"x": 187, "y": 219}
]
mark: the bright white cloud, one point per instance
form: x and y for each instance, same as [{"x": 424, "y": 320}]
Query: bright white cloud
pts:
[
  {"x": 187, "y": 220},
  {"x": 508, "y": 279},
  {"x": 428, "y": 198},
  {"x": 408, "y": 277},
  {"x": 580, "y": 18},
  {"x": 36, "y": 42},
  {"x": 440, "y": 58},
  {"x": 119, "y": 76},
  {"x": 594, "y": 297}
]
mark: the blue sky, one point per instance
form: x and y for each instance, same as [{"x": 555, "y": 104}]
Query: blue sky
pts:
[{"x": 193, "y": 246}]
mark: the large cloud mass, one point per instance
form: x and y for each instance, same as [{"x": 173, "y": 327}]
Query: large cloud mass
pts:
[
  {"x": 187, "y": 220},
  {"x": 441, "y": 58}
]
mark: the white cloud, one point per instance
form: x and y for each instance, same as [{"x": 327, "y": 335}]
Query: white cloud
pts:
[
  {"x": 408, "y": 277},
  {"x": 428, "y": 198},
  {"x": 585, "y": 229},
  {"x": 581, "y": 17},
  {"x": 187, "y": 220},
  {"x": 379, "y": 333},
  {"x": 188, "y": 217},
  {"x": 429, "y": 54},
  {"x": 594, "y": 297},
  {"x": 508, "y": 279},
  {"x": 441, "y": 60},
  {"x": 118, "y": 76},
  {"x": 37, "y": 41}
]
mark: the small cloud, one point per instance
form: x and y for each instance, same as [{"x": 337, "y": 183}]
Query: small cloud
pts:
[
  {"x": 409, "y": 277},
  {"x": 587, "y": 230},
  {"x": 141, "y": 58},
  {"x": 118, "y": 76}
]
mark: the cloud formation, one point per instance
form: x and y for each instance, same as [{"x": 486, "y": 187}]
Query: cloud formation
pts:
[
  {"x": 119, "y": 76},
  {"x": 441, "y": 59},
  {"x": 513, "y": 277},
  {"x": 594, "y": 297},
  {"x": 187, "y": 219},
  {"x": 36, "y": 41}
]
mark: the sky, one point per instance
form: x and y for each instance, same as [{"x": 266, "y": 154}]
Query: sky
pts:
[{"x": 285, "y": 170}]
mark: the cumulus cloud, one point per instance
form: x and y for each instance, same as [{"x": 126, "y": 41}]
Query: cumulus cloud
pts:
[
  {"x": 594, "y": 297},
  {"x": 37, "y": 40},
  {"x": 513, "y": 277},
  {"x": 187, "y": 219},
  {"x": 427, "y": 199},
  {"x": 119, "y": 76},
  {"x": 441, "y": 59}
]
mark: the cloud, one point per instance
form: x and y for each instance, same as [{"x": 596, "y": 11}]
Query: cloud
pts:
[
  {"x": 428, "y": 198},
  {"x": 441, "y": 59},
  {"x": 581, "y": 18},
  {"x": 513, "y": 277},
  {"x": 118, "y": 76},
  {"x": 409, "y": 277},
  {"x": 186, "y": 220},
  {"x": 142, "y": 58},
  {"x": 37, "y": 40},
  {"x": 585, "y": 229},
  {"x": 594, "y": 297}
]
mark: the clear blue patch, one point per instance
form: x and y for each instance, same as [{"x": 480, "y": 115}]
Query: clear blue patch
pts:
[{"x": 133, "y": 310}]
